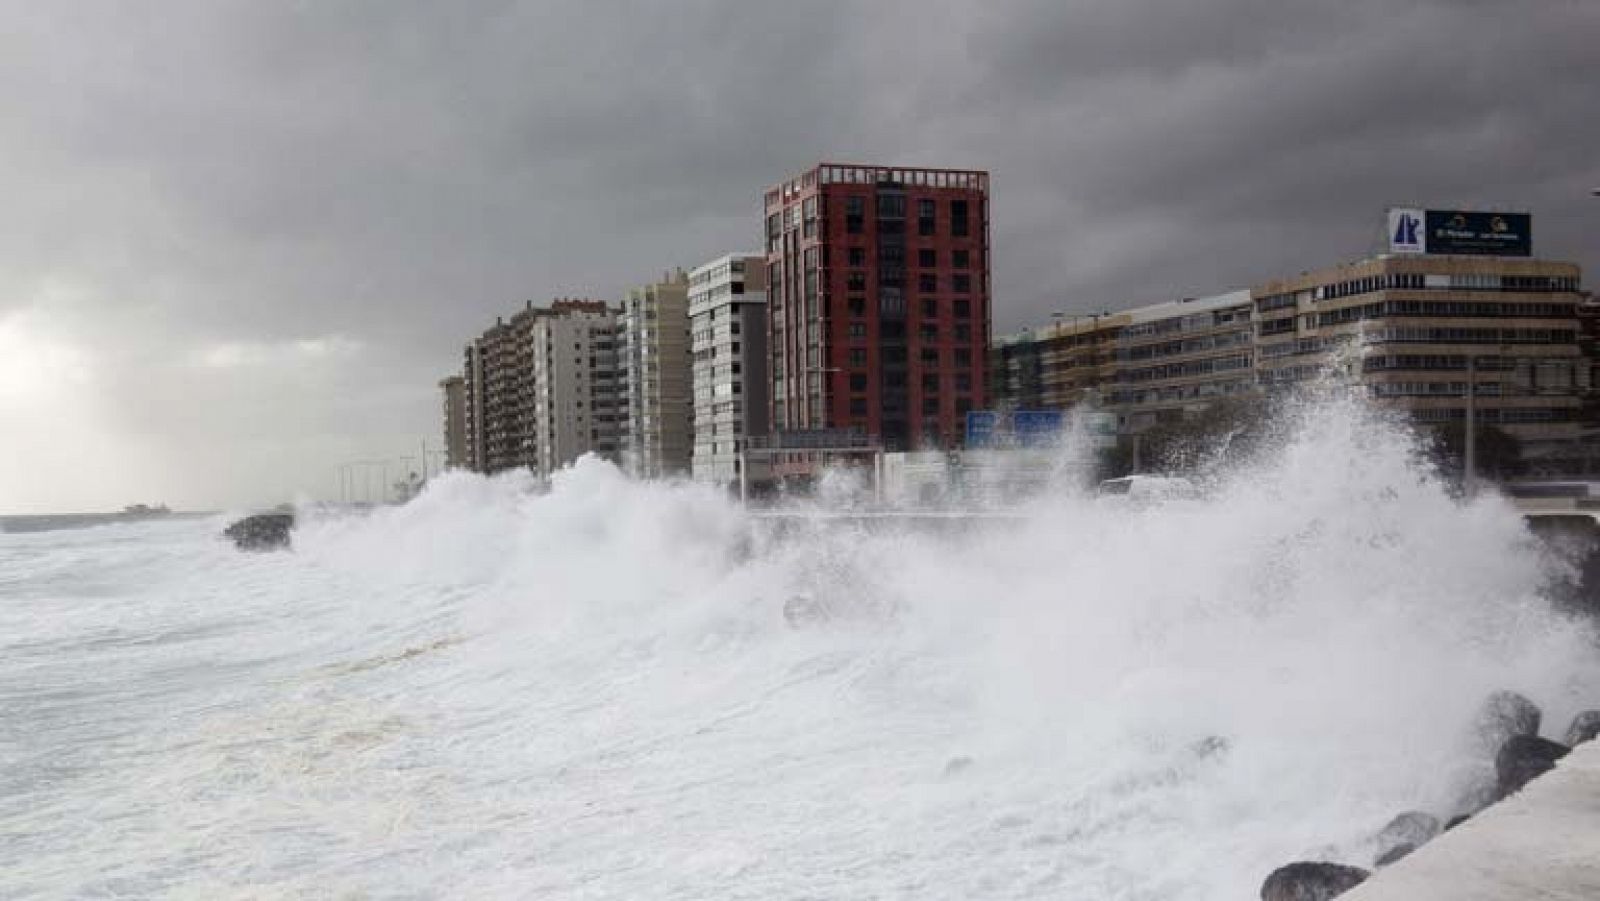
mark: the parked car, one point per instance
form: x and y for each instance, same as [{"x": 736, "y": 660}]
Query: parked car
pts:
[{"x": 1149, "y": 488}]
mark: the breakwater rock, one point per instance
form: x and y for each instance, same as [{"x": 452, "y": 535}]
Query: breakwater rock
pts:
[
  {"x": 1311, "y": 881},
  {"x": 261, "y": 532},
  {"x": 1507, "y": 727}
]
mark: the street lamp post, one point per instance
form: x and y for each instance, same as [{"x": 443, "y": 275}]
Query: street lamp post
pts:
[{"x": 1469, "y": 454}]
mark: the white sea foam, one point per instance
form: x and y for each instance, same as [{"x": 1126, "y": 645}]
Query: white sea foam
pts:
[{"x": 594, "y": 693}]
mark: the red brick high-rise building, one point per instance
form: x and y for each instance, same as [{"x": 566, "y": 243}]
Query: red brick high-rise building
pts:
[{"x": 879, "y": 301}]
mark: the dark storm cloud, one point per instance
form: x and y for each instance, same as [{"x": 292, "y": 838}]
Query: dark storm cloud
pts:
[{"x": 261, "y": 232}]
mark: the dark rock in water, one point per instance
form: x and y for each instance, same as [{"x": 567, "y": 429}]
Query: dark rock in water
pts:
[
  {"x": 1307, "y": 881},
  {"x": 1522, "y": 759},
  {"x": 261, "y": 532},
  {"x": 957, "y": 765},
  {"x": 1504, "y": 714},
  {"x": 1397, "y": 853},
  {"x": 1457, "y": 820},
  {"x": 1585, "y": 727},
  {"x": 1410, "y": 830}
]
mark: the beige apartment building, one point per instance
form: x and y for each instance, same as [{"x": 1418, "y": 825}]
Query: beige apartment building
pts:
[
  {"x": 573, "y": 390},
  {"x": 540, "y": 390},
  {"x": 452, "y": 391},
  {"x": 1146, "y": 365},
  {"x": 1172, "y": 359},
  {"x": 493, "y": 388},
  {"x": 656, "y": 362},
  {"x": 1424, "y": 331},
  {"x": 728, "y": 335},
  {"x": 1457, "y": 313}
]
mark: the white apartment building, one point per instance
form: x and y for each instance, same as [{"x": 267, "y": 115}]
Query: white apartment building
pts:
[
  {"x": 656, "y": 431},
  {"x": 728, "y": 340},
  {"x": 576, "y": 404}
]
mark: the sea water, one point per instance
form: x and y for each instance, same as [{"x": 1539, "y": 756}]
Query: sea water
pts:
[{"x": 594, "y": 692}]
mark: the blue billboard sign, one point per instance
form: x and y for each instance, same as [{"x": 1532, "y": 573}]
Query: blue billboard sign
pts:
[{"x": 1021, "y": 428}]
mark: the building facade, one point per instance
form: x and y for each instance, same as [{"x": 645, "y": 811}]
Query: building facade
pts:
[
  {"x": 452, "y": 392},
  {"x": 1060, "y": 365},
  {"x": 472, "y": 389},
  {"x": 574, "y": 393},
  {"x": 1426, "y": 333},
  {"x": 728, "y": 341},
  {"x": 879, "y": 301},
  {"x": 1173, "y": 359},
  {"x": 540, "y": 390},
  {"x": 1426, "y": 330},
  {"x": 494, "y": 385},
  {"x": 657, "y": 433}
]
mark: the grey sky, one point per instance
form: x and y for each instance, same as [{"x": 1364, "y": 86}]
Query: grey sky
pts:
[{"x": 243, "y": 241}]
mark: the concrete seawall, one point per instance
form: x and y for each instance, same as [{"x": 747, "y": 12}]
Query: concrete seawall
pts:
[{"x": 1542, "y": 843}]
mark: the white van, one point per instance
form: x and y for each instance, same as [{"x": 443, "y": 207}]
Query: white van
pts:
[{"x": 1149, "y": 488}]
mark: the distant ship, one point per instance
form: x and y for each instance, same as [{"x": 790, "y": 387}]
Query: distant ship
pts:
[{"x": 144, "y": 511}]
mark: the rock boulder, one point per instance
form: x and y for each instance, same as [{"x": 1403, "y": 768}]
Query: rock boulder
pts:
[
  {"x": 261, "y": 532},
  {"x": 1585, "y": 727},
  {"x": 1410, "y": 830},
  {"x": 1522, "y": 759},
  {"x": 1503, "y": 715},
  {"x": 1394, "y": 854},
  {"x": 1309, "y": 881}
]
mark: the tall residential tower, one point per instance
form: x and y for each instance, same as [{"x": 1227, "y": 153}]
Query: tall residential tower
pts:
[
  {"x": 878, "y": 289},
  {"x": 728, "y": 335},
  {"x": 656, "y": 433}
]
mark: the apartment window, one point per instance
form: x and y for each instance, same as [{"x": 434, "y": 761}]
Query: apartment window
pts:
[
  {"x": 930, "y": 383},
  {"x": 930, "y": 406},
  {"x": 810, "y": 216},
  {"x": 963, "y": 331},
  {"x": 963, "y": 357},
  {"x": 855, "y": 212},
  {"x": 963, "y": 381},
  {"x": 963, "y": 309},
  {"x": 858, "y": 331},
  {"x": 961, "y": 282},
  {"x": 927, "y": 258},
  {"x": 858, "y": 406},
  {"x": 960, "y": 259},
  {"x": 927, "y": 283},
  {"x": 858, "y": 356},
  {"x": 857, "y": 305},
  {"x": 858, "y": 381},
  {"x": 857, "y": 256},
  {"x": 958, "y": 219},
  {"x": 930, "y": 308},
  {"x": 891, "y": 206},
  {"x": 925, "y": 215},
  {"x": 928, "y": 332},
  {"x": 930, "y": 356},
  {"x": 855, "y": 281}
]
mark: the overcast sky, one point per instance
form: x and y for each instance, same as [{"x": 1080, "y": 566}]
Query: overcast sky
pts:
[{"x": 241, "y": 242}]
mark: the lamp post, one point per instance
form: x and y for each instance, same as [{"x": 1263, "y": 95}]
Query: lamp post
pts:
[{"x": 1469, "y": 454}]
